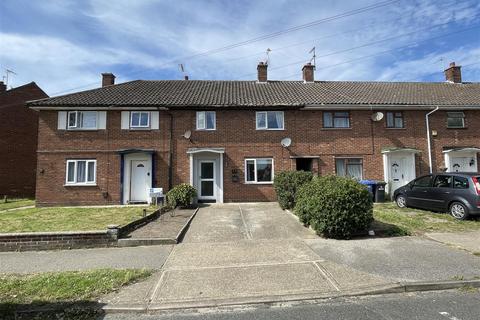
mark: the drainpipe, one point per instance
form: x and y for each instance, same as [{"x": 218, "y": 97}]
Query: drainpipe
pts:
[
  {"x": 428, "y": 138},
  {"x": 170, "y": 156}
]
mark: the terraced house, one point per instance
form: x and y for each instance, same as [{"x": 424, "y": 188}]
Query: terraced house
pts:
[{"x": 229, "y": 138}]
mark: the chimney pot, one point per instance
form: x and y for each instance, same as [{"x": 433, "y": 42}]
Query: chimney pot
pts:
[
  {"x": 262, "y": 71},
  {"x": 308, "y": 72},
  {"x": 186, "y": 77},
  {"x": 453, "y": 73},
  {"x": 3, "y": 87},
  {"x": 108, "y": 79}
]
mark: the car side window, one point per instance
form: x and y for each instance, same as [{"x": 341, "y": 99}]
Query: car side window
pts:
[
  {"x": 423, "y": 182},
  {"x": 460, "y": 183},
  {"x": 443, "y": 182}
]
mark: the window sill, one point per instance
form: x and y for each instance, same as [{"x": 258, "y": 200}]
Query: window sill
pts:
[
  {"x": 264, "y": 183},
  {"x": 391, "y": 128},
  {"x": 269, "y": 129},
  {"x": 139, "y": 129},
  {"x": 96, "y": 129},
  {"x": 80, "y": 185},
  {"x": 205, "y": 129},
  {"x": 349, "y": 128},
  {"x": 457, "y": 128}
]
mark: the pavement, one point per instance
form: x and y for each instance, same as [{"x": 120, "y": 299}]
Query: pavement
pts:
[
  {"x": 152, "y": 257},
  {"x": 469, "y": 241}
]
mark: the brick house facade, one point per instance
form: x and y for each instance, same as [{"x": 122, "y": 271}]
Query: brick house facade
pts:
[
  {"x": 18, "y": 140},
  {"x": 215, "y": 135}
]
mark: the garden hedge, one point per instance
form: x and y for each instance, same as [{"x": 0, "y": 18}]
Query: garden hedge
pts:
[
  {"x": 286, "y": 184},
  {"x": 334, "y": 207},
  {"x": 181, "y": 195}
]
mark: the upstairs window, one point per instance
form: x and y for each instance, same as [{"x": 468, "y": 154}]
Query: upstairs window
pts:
[
  {"x": 270, "y": 120},
  {"x": 455, "y": 120},
  {"x": 352, "y": 168},
  {"x": 336, "y": 119},
  {"x": 139, "y": 119},
  {"x": 206, "y": 120},
  {"x": 394, "y": 119},
  {"x": 78, "y": 120},
  {"x": 259, "y": 170},
  {"x": 81, "y": 172}
]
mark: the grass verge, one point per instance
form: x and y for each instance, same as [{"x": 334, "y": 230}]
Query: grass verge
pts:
[
  {"x": 409, "y": 221},
  {"x": 69, "y": 286},
  {"x": 67, "y": 219},
  {"x": 16, "y": 203}
]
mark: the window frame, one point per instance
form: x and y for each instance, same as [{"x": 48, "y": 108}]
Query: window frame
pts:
[
  {"x": 449, "y": 116},
  {"x": 78, "y": 126},
  {"x": 139, "y": 126},
  {"x": 255, "y": 171},
  {"x": 345, "y": 165},
  {"x": 86, "y": 183},
  {"x": 266, "y": 120},
  {"x": 394, "y": 117},
  {"x": 205, "y": 121},
  {"x": 336, "y": 117}
]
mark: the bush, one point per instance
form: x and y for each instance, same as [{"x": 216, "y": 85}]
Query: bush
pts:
[
  {"x": 181, "y": 195},
  {"x": 335, "y": 207},
  {"x": 286, "y": 184}
]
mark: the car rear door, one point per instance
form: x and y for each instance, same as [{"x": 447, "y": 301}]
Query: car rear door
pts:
[
  {"x": 418, "y": 196},
  {"x": 441, "y": 192}
]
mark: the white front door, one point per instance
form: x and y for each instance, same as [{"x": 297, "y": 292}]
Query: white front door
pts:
[
  {"x": 206, "y": 180},
  {"x": 463, "y": 164},
  {"x": 400, "y": 170},
  {"x": 139, "y": 181}
]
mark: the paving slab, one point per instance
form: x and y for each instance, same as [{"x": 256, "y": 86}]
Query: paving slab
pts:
[
  {"x": 151, "y": 257},
  {"x": 400, "y": 258},
  {"x": 238, "y": 282},
  {"x": 244, "y": 252},
  {"x": 216, "y": 223},
  {"x": 269, "y": 221},
  {"x": 469, "y": 241}
]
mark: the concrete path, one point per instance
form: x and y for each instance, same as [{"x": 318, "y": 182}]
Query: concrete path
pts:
[
  {"x": 469, "y": 241},
  {"x": 152, "y": 257},
  {"x": 242, "y": 253},
  {"x": 400, "y": 258}
]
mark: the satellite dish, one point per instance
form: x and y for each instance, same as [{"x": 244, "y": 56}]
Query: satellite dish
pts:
[
  {"x": 286, "y": 142},
  {"x": 187, "y": 134},
  {"x": 377, "y": 116}
]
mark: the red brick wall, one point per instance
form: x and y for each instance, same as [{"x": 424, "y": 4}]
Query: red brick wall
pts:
[
  {"x": 18, "y": 141},
  {"x": 236, "y": 133}
]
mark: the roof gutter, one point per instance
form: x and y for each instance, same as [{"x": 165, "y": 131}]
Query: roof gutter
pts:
[
  {"x": 96, "y": 108},
  {"x": 428, "y": 138},
  {"x": 383, "y": 107}
]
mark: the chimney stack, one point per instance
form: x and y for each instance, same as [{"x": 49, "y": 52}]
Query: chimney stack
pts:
[
  {"x": 3, "y": 87},
  {"x": 262, "y": 71},
  {"x": 186, "y": 78},
  {"x": 108, "y": 79},
  {"x": 308, "y": 72},
  {"x": 453, "y": 73}
]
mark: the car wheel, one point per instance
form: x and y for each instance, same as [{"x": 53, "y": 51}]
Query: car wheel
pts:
[
  {"x": 401, "y": 201},
  {"x": 459, "y": 211}
]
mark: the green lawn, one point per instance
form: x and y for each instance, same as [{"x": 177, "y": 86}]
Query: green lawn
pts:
[
  {"x": 15, "y": 203},
  {"x": 67, "y": 219},
  {"x": 69, "y": 286},
  {"x": 414, "y": 222}
]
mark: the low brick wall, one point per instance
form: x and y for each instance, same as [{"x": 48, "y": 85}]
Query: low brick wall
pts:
[{"x": 58, "y": 240}]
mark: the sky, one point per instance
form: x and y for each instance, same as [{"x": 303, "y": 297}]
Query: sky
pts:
[{"x": 64, "y": 45}]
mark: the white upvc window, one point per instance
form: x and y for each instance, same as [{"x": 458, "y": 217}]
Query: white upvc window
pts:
[
  {"x": 139, "y": 119},
  {"x": 269, "y": 120},
  {"x": 259, "y": 170},
  {"x": 81, "y": 172},
  {"x": 82, "y": 120},
  {"x": 455, "y": 120},
  {"x": 206, "y": 120}
]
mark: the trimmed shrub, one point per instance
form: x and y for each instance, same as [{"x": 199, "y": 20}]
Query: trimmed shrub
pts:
[
  {"x": 287, "y": 183},
  {"x": 335, "y": 207},
  {"x": 181, "y": 195}
]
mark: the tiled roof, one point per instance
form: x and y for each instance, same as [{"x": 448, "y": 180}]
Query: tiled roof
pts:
[{"x": 199, "y": 93}]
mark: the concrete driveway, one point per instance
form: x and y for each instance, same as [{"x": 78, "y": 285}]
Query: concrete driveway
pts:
[
  {"x": 243, "y": 253},
  {"x": 244, "y": 221}
]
